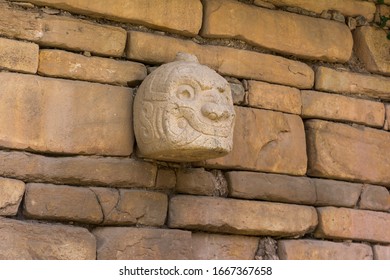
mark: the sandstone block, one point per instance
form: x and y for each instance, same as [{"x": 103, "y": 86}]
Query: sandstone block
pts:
[
  {"x": 11, "y": 194},
  {"x": 375, "y": 198},
  {"x": 69, "y": 117},
  {"x": 322, "y": 250},
  {"x": 387, "y": 120},
  {"x": 266, "y": 141},
  {"x": 166, "y": 179},
  {"x": 132, "y": 207},
  {"x": 344, "y": 152},
  {"x": 18, "y": 56},
  {"x": 381, "y": 252},
  {"x": 343, "y": 223},
  {"x": 320, "y": 105},
  {"x": 226, "y": 61},
  {"x": 223, "y": 247},
  {"x": 233, "y": 216},
  {"x": 352, "y": 83},
  {"x": 61, "y": 32},
  {"x": 34, "y": 241},
  {"x": 274, "y": 97},
  {"x": 116, "y": 243},
  {"x": 305, "y": 37},
  {"x": 57, "y": 63}
]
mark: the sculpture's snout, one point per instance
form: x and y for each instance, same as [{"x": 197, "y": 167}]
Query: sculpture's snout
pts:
[{"x": 216, "y": 112}]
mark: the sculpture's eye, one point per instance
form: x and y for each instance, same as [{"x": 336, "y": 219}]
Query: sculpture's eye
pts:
[{"x": 185, "y": 92}]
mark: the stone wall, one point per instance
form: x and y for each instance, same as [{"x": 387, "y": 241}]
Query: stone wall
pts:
[{"x": 308, "y": 177}]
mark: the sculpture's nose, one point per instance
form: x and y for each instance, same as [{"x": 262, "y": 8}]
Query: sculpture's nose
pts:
[{"x": 215, "y": 112}]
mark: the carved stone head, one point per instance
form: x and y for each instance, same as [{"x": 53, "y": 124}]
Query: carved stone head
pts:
[{"x": 183, "y": 111}]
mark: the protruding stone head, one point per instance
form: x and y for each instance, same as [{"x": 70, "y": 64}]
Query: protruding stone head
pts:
[{"x": 183, "y": 111}]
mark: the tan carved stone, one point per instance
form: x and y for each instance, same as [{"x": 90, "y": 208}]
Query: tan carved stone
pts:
[{"x": 183, "y": 111}]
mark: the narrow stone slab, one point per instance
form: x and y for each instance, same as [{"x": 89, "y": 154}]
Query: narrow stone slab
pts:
[
  {"x": 19, "y": 56},
  {"x": 69, "y": 117},
  {"x": 33, "y": 241},
  {"x": 119, "y": 243},
  {"x": 223, "y": 247},
  {"x": 343, "y": 223},
  {"x": 226, "y": 61},
  {"x": 375, "y": 198},
  {"x": 233, "y": 216},
  {"x": 349, "y": 153},
  {"x": 266, "y": 141},
  {"x": 320, "y": 105},
  {"x": 11, "y": 194},
  {"x": 305, "y": 37},
  {"x": 381, "y": 252},
  {"x": 352, "y": 83},
  {"x": 322, "y": 250},
  {"x": 387, "y": 120}
]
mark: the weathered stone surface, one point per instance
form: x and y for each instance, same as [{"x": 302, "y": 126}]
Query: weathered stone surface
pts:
[
  {"x": 320, "y": 105},
  {"x": 226, "y": 61},
  {"x": 132, "y": 207},
  {"x": 375, "y": 198},
  {"x": 166, "y": 179},
  {"x": 238, "y": 92},
  {"x": 322, "y": 250},
  {"x": 223, "y": 247},
  {"x": 184, "y": 17},
  {"x": 372, "y": 48},
  {"x": 97, "y": 171},
  {"x": 267, "y": 249},
  {"x": 266, "y": 141},
  {"x": 57, "y": 63},
  {"x": 352, "y": 83},
  {"x": 61, "y": 32},
  {"x": 382, "y": 11},
  {"x": 343, "y": 223},
  {"x": 33, "y": 241},
  {"x": 11, "y": 194},
  {"x": 240, "y": 216},
  {"x": 116, "y": 243},
  {"x": 274, "y": 97},
  {"x": 381, "y": 252},
  {"x": 305, "y": 37},
  {"x": 387, "y": 120},
  {"x": 18, "y": 56},
  {"x": 341, "y": 151},
  {"x": 60, "y": 116}
]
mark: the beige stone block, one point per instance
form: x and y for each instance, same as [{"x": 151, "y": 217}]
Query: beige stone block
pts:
[
  {"x": 68, "y": 117},
  {"x": 18, "y": 56},
  {"x": 372, "y": 48},
  {"x": 302, "y": 36},
  {"x": 223, "y": 215},
  {"x": 274, "y": 97},
  {"x": 352, "y": 83},
  {"x": 387, "y": 119},
  {"x": 381, "y": 252},
  {"x": 120, "y": 243},
  {"x": 207, "y": 246},
  {"x": 320, "y": 105},
  {"x": 62, "y": 64},
  {"x": 341, "y": 151},
  {"x": 375, "y": 198},
  {"x": 166, "y": 179},
  {"x": 11, "y": 194},
  {"x": 266, "y": 141},
  {"x": 343, "y": 223},
  {"x": 226, "y": 61},
  {"x": 21, "y": 240},
  {"x": 322, "y": 250}
]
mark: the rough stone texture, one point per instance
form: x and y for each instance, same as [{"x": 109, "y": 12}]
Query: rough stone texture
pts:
[
  {"x": 226, "y": 61},
  {"x": 343, "y": 223},
  {"x": 34, "y": 241},
  {"x": 267, "y": 249},
  {"x": 381, "y": 252},
  {"x": 184, "y": 17},
  {"x": 274, "y": 97},
  {"x": 11, "y": 194},
  {"x": 266, "y": 141},
  {"x": 18, "y": 56},
  {"x": 382, "y": 11},
  {"x": 166, "y": 179},
  {"x": 240, "y": 216},
  {"x": 305, "y": 37},
  {"x": 132, "y": 207},
  {"x": 57, "y": 63},
  {"x": 60, "y": 116},
  {"x": 238, "y": 93},
  {"x": 61, "y": 32},
  {"x": 322, "y": 250},
  {"x": 320, "y": 105},
  {"x": 223, "y": 247},
  {"x": 116, "y": 243},
  {"x": 341, "y": 151},
  {"x": 372, "y": 48},
  {"x": 352, "y": 83},
  {"x": 375, "y": 198}
]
